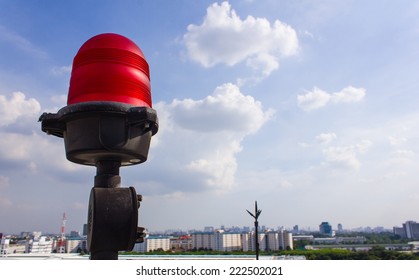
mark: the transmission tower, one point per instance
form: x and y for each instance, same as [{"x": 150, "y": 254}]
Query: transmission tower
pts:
[{"x": 61, "y": 240}]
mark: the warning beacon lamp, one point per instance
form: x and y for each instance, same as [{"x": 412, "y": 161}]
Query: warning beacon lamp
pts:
[{"x": 108, "y": 123}]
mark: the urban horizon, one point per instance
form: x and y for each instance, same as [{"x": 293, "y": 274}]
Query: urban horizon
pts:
[{"x": 236, "y": 228}]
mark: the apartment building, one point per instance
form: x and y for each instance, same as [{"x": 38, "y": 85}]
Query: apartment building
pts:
[
  {"x": 220, "y": 240},
  {"x": 227, "y": 241},
  {"x": 40, "y": 244},
  {"x": 410, "y": 230},
  {"x": 153, "y": 243},
  {"x": 203, "y": 240}
]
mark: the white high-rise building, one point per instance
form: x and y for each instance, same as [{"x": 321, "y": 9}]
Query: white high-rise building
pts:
[
  {"x": 75, "y": 245},
  {"x": 152, "y": 243},
  {"x": 245, "y": 237},
  {"x": 4, "y": 245},
  {"x": 227, "y": 241},
  {"x": 203, "y": 240},
  {"x": 272, "y": 240},
  {"x": 285, "y": 240},
  {"x": 218, "y": 240},
  {"x": 279, "y": 240},
  {"x": 233, "y": 241},
  {"x": 248, "y": 240},
  {"x": 42, "y": 245}
]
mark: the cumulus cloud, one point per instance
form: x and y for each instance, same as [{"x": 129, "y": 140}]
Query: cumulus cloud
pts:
[
  {"x": 348, "y": 95},
  {"x": 22, "y": 143},
  {"x": 224, "y": 38},
  {"x": 325, "y": 138},
  {"x": 314, "y": 99},
  {"x": 346, "y": 156},
  {"x": 318, "y": 98},
  {"x": 219, "y": 168},
  {"x": 17, "y": 106},
  {"x": 227, "y": 109},
  {"x": 34, "y": 151},
  {"x": 199, "y": 140}
]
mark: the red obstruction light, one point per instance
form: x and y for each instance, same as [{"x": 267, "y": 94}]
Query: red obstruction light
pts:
[
  {"x": 110, "y": 67},
  {"x": 108, "y": 123},
  {"x": 108, "y": 114}
]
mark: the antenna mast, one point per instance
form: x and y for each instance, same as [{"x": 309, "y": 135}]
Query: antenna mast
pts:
[{"x": 61, "y": 240}]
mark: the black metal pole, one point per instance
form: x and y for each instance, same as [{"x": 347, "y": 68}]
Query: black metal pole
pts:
[
  {"x": 256, "y": 216},
  {"x": 257, "y": 239}
]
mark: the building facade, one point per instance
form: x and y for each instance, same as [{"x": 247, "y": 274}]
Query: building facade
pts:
[
  {"x": 220, "y": 240},
  {"x": 227, "y": 241},
  {"x": 279, "y": 240},
  {"x": 182, "y": 243},
  {"x": 326, "y": 228},
  {"x": 400, "y": 231},
  {"x": 203, "y": 240},
  {"x": 76, "y": 245},
  {"x": 248, "y": 240},
  {"x": 411, "y": 229},
  {"x": 39, "y": 245},
  {"x": 153, "y": 243}
]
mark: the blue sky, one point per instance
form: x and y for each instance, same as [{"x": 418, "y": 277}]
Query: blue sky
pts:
[{"x": 308, "y": 107}]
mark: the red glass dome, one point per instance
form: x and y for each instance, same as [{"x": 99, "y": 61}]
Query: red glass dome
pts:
[{"x": 110, "y": 67}]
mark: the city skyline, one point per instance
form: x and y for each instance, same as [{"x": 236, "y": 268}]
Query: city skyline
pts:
[
  {"x": 339, "y": 227},
  {"x": 307, "y": 107}
]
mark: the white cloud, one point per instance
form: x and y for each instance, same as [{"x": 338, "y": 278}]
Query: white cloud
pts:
[
  {"x": 342, "y": 157},
  {"x": 348, "y": 95},
  {"x": 346, "y": 156},
  {"x": 227, "y": 109},
  {"x": 34, "y": 151},
  {"x": 325, "y": 138},
  {"x": 263, "y": 62},
  {"x": 318, "y": 98},
  {"x": 17, "y": 106},
  {"x": 21, "y": 139},
  {"x": 220, "y": 167},
  {"x": 267, "y": 181},
  {"x": 363, "y": 146},
  {"x": 395, "y": 141},
  {"x": 15, "y": 146},
  {"x": 199, "y": 139},
  {"x": 400, "y": 158},
  {"x": 314, "y": 99},
  {"x": 224, "y": 38},
  {"x": 403, "y": 153}
]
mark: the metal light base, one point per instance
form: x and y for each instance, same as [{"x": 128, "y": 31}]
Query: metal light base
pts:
[{"x": 113, "y": 214}]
